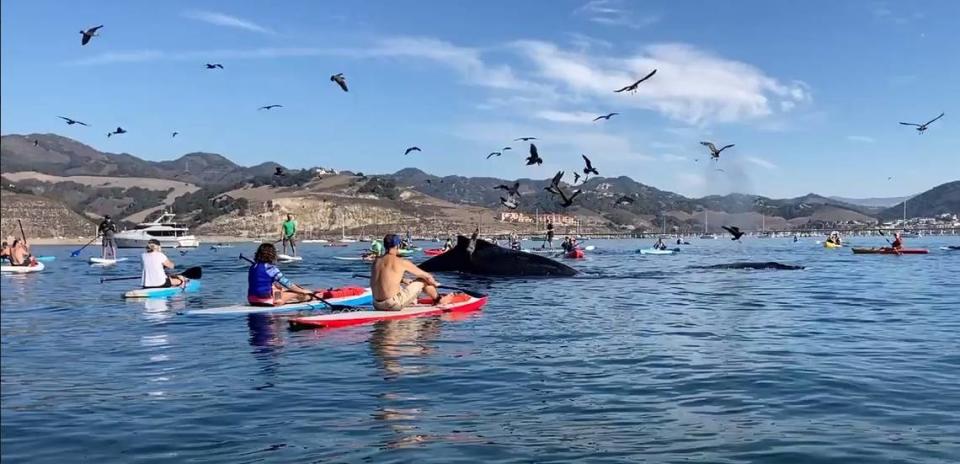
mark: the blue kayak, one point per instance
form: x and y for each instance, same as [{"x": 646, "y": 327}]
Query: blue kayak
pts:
[{"x": 191, "y": 286}]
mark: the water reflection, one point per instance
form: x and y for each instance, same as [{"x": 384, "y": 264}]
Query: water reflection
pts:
[{"x": 393, "y": 343}]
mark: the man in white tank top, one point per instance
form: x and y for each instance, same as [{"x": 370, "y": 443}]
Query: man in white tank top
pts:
[{"x": 154, "y": 264}]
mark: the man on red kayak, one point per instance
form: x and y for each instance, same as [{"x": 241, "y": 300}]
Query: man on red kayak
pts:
[
  {"x": 391, "y": 292},
  {"x": 897, "y": 242}
]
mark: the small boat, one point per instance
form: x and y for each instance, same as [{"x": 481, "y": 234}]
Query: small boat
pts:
[
  {"x": 191, "y": 285},
  {"x": 708, "y": 237},
  {"x": 217, "y": 247},
  {"x": 654, "y": 251},
  {"x": 346, "y": 296},
  {"x": 424, "y": 308},
  {"x": 11, "y": 269},
  {"x": 889, "y": 251},
  {"x": 94, "y": 261},
  {"x": 575, "y": 253}
]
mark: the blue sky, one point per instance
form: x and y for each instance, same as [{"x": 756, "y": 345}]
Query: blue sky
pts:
[{"x": 810, "y": 92}]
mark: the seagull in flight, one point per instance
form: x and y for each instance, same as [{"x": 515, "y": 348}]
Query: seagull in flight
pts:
[
  {"x": 633, "y": 87},
  {"x": 340, "y": 80},
  {"x": 605, "y": 116},
  {"x": 714, "y": 153},
  {"x": 576, "y": 177},
  {"x": 524, "y": 139},
  {"x": 512, "y": 191},
  {"x": 71, "y": 122},
  {"x": 119, "y": 131},
  {"x": 494, "y": 153},
  {"x": 566, "y": 201},
  {"x": 279, "y": 171},
  {"x": 269, "y": 107},
  {"x": 408, "y": 150},
  {"x": 89, "y": 34},
  {"x": 506, "y": 148},
  {"x": 214, "y": 66},
  {"x": 735, "y": 231},
  {"x": 174, "y": 134},
  {"x": 589, "y": 169},
  {"x": 534, "y": 157},
  {"x": 554, "y": 186},
  {"x": 510, "y": 203},
  {"x": 921, "y": 128}
]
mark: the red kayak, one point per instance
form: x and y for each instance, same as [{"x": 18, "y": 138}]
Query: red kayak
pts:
[
  {"x": 890, "y": 251},
  {"x": 434, "y": 251},
  {"x": 575, "y": 254},
  {"x": 461, "y": 303}
]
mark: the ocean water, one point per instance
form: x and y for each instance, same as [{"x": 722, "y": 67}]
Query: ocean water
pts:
[{"x": 639, "y": 359}]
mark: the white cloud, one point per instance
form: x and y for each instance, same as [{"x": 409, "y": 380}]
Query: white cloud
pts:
[
  {"x": 572, "y": 117},
  {"x": 225, "y": 20},
  {"x": 615, "y": 13},
  {"x": 861, "y": 138},
  {"x": 760, "y": 162},
  {"x": 671, "y": 158},
  {"x": 691, "y": 85}
]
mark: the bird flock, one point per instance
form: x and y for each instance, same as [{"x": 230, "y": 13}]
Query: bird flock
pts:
[{"x": 512, "y": 198}]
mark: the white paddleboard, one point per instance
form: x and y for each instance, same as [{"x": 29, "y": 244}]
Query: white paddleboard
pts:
[
  {"x": 105, "y": 262},
  {"x": 288, "y": 258},
  {"x": 21, "y": 269}
]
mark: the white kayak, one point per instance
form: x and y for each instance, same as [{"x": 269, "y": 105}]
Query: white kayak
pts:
[
  {"x": 7, "y": 268},
  {"x": 191, "y": 286},
  {"x": 359, "y": 297},
  {"x": 654, "y": 251},
  {"x": 288, "y": 258},
  {"x": 105, "y": 261}
]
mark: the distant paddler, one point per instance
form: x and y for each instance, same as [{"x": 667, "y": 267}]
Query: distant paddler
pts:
[
  {"x": 106, "y": 229},
  {"x": 155, "y": 263},
  {"x": 288, "y": 231}
]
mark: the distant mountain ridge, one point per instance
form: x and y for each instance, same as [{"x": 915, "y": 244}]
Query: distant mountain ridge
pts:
[
  {"x": 942, "y": 199},
  {"x": 62, "y": 156},
  {"x": 882, "y": 202}
]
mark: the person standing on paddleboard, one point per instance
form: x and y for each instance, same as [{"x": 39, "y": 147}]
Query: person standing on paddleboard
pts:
[
  {"x": 106, "y": 229},
  {"x": 391, "y": 291},
  {"x": 549, "y": 240},
  {"x": 267, "y": 286},
  {"x": 155, "y": 265},
  {"x": 287, "y": 232}
]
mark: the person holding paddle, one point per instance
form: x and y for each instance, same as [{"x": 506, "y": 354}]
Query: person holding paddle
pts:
[
  {"x": 287, "y": 232},
  {"x": 897, "y": 242},
  {"x": 387, "y": 280},
  {"x": 155, "y": 264},
  {"x": 267, "y": 286},
  {"x": 106, "y": 229}
]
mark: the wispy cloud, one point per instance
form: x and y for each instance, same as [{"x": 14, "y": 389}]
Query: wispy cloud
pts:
[
  {"x": 225, "y": 20},
  {"x": 615, "y": 13},
  {"x": 760, "y": 162},
  {"x": 140, "y": 56},
  {"x": 671, "y": 158},
  {"x": 572, "y": 117},
  {"x": 861, "y": 138}
]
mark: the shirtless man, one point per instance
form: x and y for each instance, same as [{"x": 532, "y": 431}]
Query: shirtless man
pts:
[{"x": 387, "y": 277}]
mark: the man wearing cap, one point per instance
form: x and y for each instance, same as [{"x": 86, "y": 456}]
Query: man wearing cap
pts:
[
  {"x": 106, "y": 229},
  {"x": 391, "y": 292},
  {"x": 154, "y": 264}
]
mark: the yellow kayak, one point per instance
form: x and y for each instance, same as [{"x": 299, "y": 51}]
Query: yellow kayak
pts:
[{"x": 831, "y": 245}]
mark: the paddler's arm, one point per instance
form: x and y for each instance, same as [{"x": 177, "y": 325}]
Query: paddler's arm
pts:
[
  {"x": 419, "y": 273},
  {"x": 279, "y": 278}
]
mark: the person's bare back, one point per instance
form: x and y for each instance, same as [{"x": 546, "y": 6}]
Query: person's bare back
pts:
[
  {"x": 386, "y": 280},
  {"x": 386, "y": 276}
]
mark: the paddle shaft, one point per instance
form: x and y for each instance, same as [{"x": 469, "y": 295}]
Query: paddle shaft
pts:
[
  {"x": 332, "y": 306},
  {"x": 22, "y": 235},
  {"x": 77, "y": 252},
  {"x": 444, "y": 287},
  {"x": 188, "y": 273}
]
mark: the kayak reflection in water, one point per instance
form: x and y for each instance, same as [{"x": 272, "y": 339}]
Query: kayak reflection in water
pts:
[
  {"x": 387, "y": 280},
  {"x": 155, "y": 264}
]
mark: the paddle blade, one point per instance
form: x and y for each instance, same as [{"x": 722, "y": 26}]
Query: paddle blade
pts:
[{"x": 193, "y": 272}]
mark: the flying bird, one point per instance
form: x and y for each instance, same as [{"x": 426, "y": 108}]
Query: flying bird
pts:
[
  {"x": 534, "y": 157},
  {"x": 524, "y": 139},
  {"x": 174, "y": 134},
  {"x": 269, "y": 107},
  {"x": 506, "y": 148},
  {"x": 714, "y": 153},
  {"x": 494, "y": 153},
  {"x": 633, "y": 87},
  {"x": 340, "y": 80},
  {"x": 89, "y": 34},
  {"x": 565, "y": 200},
  {"x": 408, "y": 150},
  {"x": 606, "y": 116},
  {"x": 214, "y": 66},
  {"x": 119, "y": 131},
  {"x": 735, "y": 231},
  {"x": 624, "y": 200},
  {"x": 554, "y": 186},
  {"x": 510, "y": 203},
  {"x": 71, "y": 122},
  {"x": 922, "y": 127},
  {"x": 512, "y": 191},
  {"x": 576, "y": 177},
  {"x": 890, "y": 178},
  {"x": 589, "y": 169}
]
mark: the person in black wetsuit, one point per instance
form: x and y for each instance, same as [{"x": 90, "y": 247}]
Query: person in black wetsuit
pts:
[{"x": 106, "y": 229}]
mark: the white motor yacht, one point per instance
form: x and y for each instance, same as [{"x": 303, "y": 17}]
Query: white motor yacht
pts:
[{"x": 169, "y": 233}]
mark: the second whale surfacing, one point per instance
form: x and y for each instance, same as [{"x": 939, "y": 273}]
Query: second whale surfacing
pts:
[{"x": 488, "y": 259}]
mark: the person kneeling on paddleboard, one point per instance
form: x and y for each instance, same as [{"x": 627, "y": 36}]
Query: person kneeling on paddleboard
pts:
[
  {"x": 154, "y": 264},
  {"x": 20, "y": 254},
  {"x": 267, "y": 286},
  {"x": 387, "y": 280}
]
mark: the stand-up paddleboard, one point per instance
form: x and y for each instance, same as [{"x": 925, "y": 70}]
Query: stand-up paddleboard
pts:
[
  {"x": 318, "y": 240},
  {"x": 288, "y": 258},
  {"x": 544, "y": 251},
  {"x": 462, "y": 303},
  {"x": 10, "y": 269},
  {"x": 346, "y": 296},
  {"x": 217, "y": 247},
  {"x": 46, "y": 259},
  {"x": 654, "y": 251},
  {"x": 192, "y": 285},
  {"x": 105, "y": 261}
]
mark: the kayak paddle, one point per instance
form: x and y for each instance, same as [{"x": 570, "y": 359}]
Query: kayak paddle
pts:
[
  {"x": 76, "y": 253},
  {"x": 445, "y": 287},
  {"x": 189, "y": 273},
  {"x": 333, "y": 307}
]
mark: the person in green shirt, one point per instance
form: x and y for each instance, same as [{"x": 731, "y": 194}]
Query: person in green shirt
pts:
[{"x": 287, "y": 233}]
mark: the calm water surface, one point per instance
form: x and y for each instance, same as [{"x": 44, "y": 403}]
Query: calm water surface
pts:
[{"x": 641, "y": 359}]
